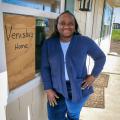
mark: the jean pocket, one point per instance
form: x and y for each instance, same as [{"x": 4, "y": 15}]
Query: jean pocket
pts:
[
  {"x": 87, "y": 91},
  {"x": 79, "y": 81}
]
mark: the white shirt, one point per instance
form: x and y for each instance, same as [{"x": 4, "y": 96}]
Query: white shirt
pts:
[{"x": 64, "y": 46}]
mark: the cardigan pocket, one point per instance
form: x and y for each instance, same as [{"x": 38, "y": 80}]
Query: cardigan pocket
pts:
[
  {"x": 85, "y": 91},
  {"x": 76, "y": 90}
]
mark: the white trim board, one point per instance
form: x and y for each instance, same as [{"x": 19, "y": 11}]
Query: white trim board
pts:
[
  {"x": 62, "y": 6},
  {"x": 3, "y": 88},
  {"x": 15, "y": 9},
  {"x": 2, "y": 46}
]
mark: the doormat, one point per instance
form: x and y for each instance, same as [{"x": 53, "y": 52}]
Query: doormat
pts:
[
  {"x": 96, "y": 100},
  {"x": 102, "y": 80}
]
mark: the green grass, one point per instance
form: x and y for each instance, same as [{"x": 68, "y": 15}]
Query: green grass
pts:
[{"x": 116, "y": 35}]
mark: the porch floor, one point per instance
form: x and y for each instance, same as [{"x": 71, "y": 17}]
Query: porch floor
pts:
[{"x": 112, "y": 95}]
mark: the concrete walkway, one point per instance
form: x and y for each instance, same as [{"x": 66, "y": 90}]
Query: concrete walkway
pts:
[{"x": 112, "y": 95}]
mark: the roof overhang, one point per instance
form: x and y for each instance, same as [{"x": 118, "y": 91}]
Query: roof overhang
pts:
[{"x": 114, "y": 3}]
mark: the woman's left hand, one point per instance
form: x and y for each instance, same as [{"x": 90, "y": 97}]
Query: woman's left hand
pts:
[{"x": 88, "y": 81}]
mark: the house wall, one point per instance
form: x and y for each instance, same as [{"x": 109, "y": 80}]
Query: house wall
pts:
[
  {"x": 90, "y": 22},
  {"x": 28, "y": 105}
]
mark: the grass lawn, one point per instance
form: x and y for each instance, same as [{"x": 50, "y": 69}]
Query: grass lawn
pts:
[{"x": 116, "y": 34}]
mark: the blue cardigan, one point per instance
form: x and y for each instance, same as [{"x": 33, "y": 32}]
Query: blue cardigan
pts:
[{"x": 52, "y": 65}]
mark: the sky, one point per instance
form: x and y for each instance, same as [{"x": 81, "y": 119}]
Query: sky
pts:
[{"x": 116, "y": 17}]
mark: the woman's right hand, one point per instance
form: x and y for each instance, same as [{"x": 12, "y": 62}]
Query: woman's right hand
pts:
[{"x": 51, "y": 95}]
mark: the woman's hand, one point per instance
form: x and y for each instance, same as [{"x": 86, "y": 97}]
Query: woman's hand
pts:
[
  {"x": 88, "y": 82},
  {"x": 51, "y": 95}
]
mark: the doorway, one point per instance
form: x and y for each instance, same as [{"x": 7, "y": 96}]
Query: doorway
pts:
[{"x": 115, "y": 38}]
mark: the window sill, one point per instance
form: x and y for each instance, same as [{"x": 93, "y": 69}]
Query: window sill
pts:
[{"x": 16, "y": 93}]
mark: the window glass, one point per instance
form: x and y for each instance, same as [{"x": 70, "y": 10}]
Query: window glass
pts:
[
  {"x": 107, "y": 20},
  {"x": 44, "y": 28},
  {"x": 69, "y": 5},
  {"x": 44, "y": 5}
]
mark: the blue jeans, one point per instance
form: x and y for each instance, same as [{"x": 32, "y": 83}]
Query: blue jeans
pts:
[
  {"x": 58, "y": 112},
  {"x": 65, "y": 109},
  {"x": 74, "y": 109}
]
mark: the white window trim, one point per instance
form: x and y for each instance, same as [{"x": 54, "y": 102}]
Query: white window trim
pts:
[
  {"x": 62, "y": 6},
  {"x": 15, "y": 9},
  {"x": 3, "y": 69}
]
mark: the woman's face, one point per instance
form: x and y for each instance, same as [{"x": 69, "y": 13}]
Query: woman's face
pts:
[{"x": 66, "y": 26}]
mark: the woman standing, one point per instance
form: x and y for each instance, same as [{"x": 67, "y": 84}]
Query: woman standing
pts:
[{"x": 63, "y": 69}]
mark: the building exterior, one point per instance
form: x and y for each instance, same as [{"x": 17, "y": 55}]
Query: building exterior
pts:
[
  {"x": 26, "y": 99},
  {"x": 116, "y": 25}
]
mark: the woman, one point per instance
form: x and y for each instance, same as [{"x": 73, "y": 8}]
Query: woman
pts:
[{"x": 63, "y": 69}]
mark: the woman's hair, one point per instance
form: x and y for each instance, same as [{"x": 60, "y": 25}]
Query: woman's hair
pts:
[{"x": 56, "y": 32}]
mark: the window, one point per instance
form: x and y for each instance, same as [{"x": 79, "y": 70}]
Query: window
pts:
[
  {"x": 69, "y": 5},
  {"x": 107, "y": 20},
  {"x": 44, "y": 28},
  {"x": 44, "y": 5}
]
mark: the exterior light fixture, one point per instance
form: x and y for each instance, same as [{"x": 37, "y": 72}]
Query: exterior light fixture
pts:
[{"x": 85, "y": 5}]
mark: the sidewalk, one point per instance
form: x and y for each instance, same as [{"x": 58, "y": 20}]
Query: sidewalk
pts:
[{"x": 112, "y": 95}]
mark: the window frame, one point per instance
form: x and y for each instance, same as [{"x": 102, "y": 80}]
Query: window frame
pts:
[{"x": 107, "y": 7}]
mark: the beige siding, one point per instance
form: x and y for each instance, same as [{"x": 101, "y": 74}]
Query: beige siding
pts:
[
  {"x": 30, "y": 106},
  {"x": 2, "y": 112},
  {"x": 81, "y": 18},
  {"x": 12, "y": 111},
  {"x": 95, "y": 23},
  {"x": 90, "y": 22},
  {"x": 99, "y": 6},
  {"x": 39, "y": 111},
  {"x": 81, "y": 21}
]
